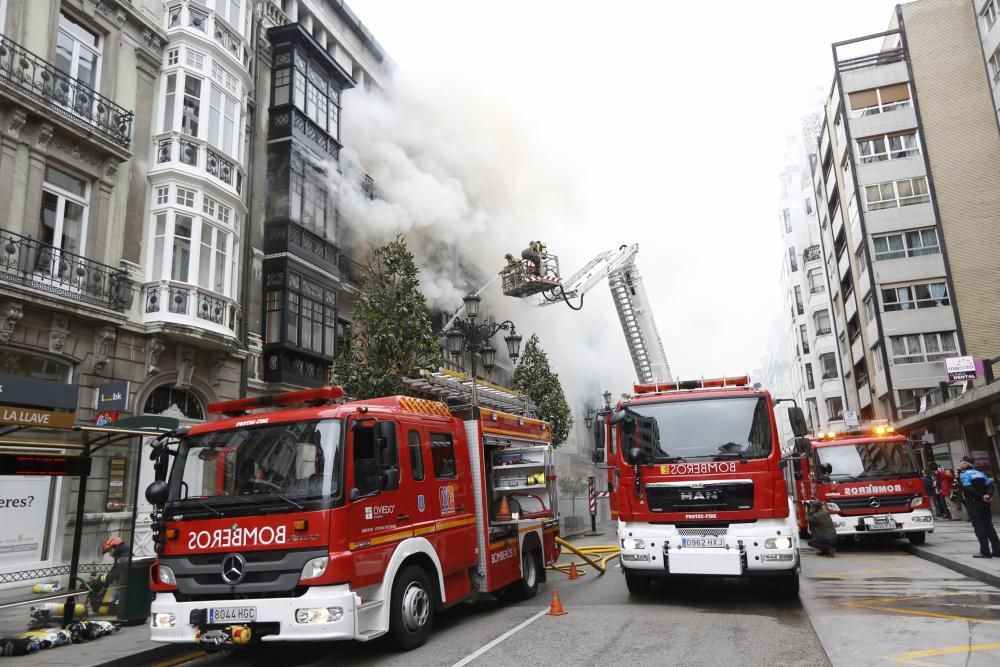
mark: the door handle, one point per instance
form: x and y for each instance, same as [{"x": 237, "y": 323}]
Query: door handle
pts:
[
  {"x": 403, "y": 517},
  {"x": 460, "y": 508}
]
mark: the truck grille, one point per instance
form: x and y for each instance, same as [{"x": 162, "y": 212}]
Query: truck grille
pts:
[
  {"x": 877, "y": 503},
  {"x": 266, "y": 572},
  {"x": 679, "y": 497}
]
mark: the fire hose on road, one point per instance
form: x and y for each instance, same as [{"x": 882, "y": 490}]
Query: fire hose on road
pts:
[{"x": 596, "y": 556}]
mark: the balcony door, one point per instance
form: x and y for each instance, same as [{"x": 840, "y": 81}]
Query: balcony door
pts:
[
  {"x": 63, "y": 226},
  {"x": 78, "y": 57}
]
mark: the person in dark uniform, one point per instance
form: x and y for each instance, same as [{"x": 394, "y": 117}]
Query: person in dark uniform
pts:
[
  {"x": 115, "y": 577},
  {"x": 978, "y": 491},
  {"x": 824, "y": 534}
]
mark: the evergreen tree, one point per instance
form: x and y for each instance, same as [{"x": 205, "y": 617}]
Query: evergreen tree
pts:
[
  {"x": 391, "y": 337},
  {"x": 535, "y": 379}
]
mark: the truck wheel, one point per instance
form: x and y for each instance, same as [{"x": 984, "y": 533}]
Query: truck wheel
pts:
[
  {"x": 916, "y": 538},
  {"x": 637, "y": 585},
  {"x": 787, "y": 587},
  {"x": 412, "y": 612},
  {"x": 527, "y": 587}
]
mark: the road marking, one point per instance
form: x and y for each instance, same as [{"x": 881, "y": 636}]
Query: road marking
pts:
[
  {"x": 911, "y": 658},
  {"x": 874, "y": 604},
  {"x": 179, "y": 660},
  {"x": 472, "y": 656}
]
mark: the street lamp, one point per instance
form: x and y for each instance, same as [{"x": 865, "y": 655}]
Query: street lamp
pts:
[
  {"x": 588, "y": 419},
  {"x": 607, "y": 399},
  {"x": 466, "y": 334}
]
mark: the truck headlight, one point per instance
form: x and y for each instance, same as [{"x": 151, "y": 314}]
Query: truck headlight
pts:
[
  {"x": 917, "y": 502},
  {"x": 777, "y": 543},
  {"x": 164, "y": 620},
  {"x": 319, "y": 615},
  {"x": 314, "y": 568},
  {"x": 165, "y": 575},
  {"x": 630, "y": 543},
  {"x": 833, "y": 507}
]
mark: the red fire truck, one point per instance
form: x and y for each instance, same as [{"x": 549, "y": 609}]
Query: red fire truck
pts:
[
  {"x": 870, "y": 481},
  {"x": 324, "y": 520},
  {"x": 695, "y": 468}
]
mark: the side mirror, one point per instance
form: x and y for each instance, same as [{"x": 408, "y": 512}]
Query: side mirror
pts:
[
  {"x": 798, "y": 422},
  {"x": 599, "y": 434},
  {"x": 635, "y": 456},
  {"x": 802, "y": 447},
  {"x": 355, "y": 495},
  {"x": 158, "y": 492},
  {"x": 390, "y": 479},
  {"x": 827, "y": 469}
]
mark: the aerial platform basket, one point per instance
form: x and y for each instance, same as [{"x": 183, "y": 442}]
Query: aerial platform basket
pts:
[{"x": 527, "y": 277}]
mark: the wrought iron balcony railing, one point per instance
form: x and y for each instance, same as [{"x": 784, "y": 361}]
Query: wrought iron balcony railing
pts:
[
  {"x": 192, "y": 302},
  {"x": 351, "y": 271},
  {"x": 62, "y": 94},
  {"x": 177, "y": 148},
  {"x": 28, "y": 262}
]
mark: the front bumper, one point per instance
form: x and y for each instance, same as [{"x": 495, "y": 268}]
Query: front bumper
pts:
[
  {"x": 915, "y": 521},
  {"x": 275, "y": 615},
  {"x": 744, "y": 553}
]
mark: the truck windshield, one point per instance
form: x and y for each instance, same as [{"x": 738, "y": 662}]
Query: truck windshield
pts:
[
  {"x": 868, "y": 460},
  {"x": 284, "y": 463},
  {"x": 703, "y": 428}
]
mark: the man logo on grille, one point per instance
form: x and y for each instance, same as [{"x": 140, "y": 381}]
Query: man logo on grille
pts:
[
  {"x": 874, "y": 503},
  {"x": 233, "y": 569}
]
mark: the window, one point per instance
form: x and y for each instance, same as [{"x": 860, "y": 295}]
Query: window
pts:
[
  {"x": 22, "y": 364},
  {"x": 810, "y": 380},
  {"x": 834, "y": 407},
  {"x": 897, "y": 193},
  {"x": 792, "y": 261},
  {"x": 861, "y": 373},
  {"x": 307, "y": 85},
  {"x": 223, "y": 76},
  {"x": 227, "y": 9},
  {"x": 815, "y": 277},
  {"x": 416, "y": 456},
  {"x": 994, "y": 65},
  {"x": 194, "y": 59},
  {"x": 822, "y": 318},
  {"x": 798, "y": 300},
  {"x": 63, "y": 218},
  {"x": 212, "y": 262},
  {"x": 910, "y": 400},
  {"x": 804, "y": 337},
  {"x": 166, "y": 398},
  {"x": 172, "y": 56},
  {"x": 989, "y": 14},
  {"x": 78, "y": 53},
  {"x": 191, "y": 109},
  {"x": 217, "y": 210},
  {"x": 907, "y": 297},
  {"x": 443, "y": 456},
  {"x": 906, "y": 244},
  {"x": 879, "y": 100},
  {"x": 181, "y": 255},
  {"x": 847, "y": 286},
  {"x": 828, "y": 364},
  {"x": 162, "y": 195},
  {"x": 888, "y": 147},
  {"x": 919, "y": 348},
  {"x": 222, "y": 125},
  {"x": 185, "y": 197},
  {"x": 309, "y": 313},
  {"x": 786, "y": 215},
  {"x": 877, "y": 356},
  {"x": 869, "y": 308},
  {"x": 168, "y": 102},
  {"x": 309, "y": 199},
  {"x": 853, "y": 327}
]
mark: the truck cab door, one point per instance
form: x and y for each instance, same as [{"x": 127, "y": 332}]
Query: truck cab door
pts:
[{"x": 378, "y": 515}]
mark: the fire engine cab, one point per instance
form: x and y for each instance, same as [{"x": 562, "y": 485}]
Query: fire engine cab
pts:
[
  {"x": 332, "y": 520},
  {"x": 699, "y": 491},
  {"x": 868, "y": 477}
]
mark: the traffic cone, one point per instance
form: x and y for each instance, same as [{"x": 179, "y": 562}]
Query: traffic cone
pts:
[
  {"x": 503, "y": 514},
  {"x": 573, "y": 572},
  {"x": 556, "y": 608}
]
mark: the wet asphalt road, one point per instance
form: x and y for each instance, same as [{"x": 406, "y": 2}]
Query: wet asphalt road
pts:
[{"x": 873, "y": 605}]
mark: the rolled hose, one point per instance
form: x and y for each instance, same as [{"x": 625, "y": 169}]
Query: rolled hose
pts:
[{"x": 596, "y": 556}]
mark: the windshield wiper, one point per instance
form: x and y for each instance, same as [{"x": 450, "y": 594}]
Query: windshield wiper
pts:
[
  {"x": 291, "y": 502},
  {"x": 742, "y": 456},
  {"x": 201, "y": 504}
]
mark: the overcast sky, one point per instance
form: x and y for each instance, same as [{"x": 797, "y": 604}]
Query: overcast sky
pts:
[{"x": 671, "y": 118}]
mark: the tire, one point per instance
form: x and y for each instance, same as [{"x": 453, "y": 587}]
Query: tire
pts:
[
  {"x": 916, "y": 538},
  {"x": 787, "y": 587},
  {"x": 527, "y": 587},
  {"x": 636, "y": 584},
  {"x": 412, "y": 613}
]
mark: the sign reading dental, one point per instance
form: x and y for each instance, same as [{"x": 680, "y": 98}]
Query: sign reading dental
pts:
[
  {"x": 113, "y": 396},
  {"x": 960, "y": 368},
  {"x": 15, "y": 390}
]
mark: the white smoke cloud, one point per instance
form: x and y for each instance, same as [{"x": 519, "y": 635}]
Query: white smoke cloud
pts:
[{"x": 465, "y": 182}]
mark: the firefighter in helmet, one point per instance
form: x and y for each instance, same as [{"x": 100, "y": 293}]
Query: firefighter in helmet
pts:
[
  {"x": 115, "y": 547},
  {"x": 533, "y": 253}
]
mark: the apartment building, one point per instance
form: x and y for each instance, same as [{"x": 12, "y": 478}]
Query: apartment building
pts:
[
  {"x": 814, "y": 371},
  {"x": 906, "y": 193}
]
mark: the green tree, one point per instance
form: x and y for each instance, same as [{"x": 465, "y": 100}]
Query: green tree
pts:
[
  {"x": 391, "y": 337},
  {"x": 535, "y": 378}
]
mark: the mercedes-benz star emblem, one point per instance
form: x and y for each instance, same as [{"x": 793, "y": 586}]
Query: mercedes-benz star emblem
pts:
[
  {"x": 874, "y": 503},
  {"x": 233, "y": 569}
]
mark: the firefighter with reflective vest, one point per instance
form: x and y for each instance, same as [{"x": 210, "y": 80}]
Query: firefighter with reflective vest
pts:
[{"x": 109, "y": 581}]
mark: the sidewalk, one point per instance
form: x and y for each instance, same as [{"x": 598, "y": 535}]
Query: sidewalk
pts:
[
  {"x": 129, "y": 647},
  {"x": 951, "y": 545}
]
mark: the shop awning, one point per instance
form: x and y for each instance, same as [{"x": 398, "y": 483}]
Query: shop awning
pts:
[{"x": 972, "y": 400}]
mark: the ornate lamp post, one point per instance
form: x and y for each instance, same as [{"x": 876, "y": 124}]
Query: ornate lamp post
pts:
[{"x": 467, "y": 334}]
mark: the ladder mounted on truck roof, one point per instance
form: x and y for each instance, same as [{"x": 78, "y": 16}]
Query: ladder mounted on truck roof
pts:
[{"x": 447, "y": 386}]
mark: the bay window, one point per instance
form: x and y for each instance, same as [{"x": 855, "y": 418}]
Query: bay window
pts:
[
  {"x": 309, "y": 87},
  {"x": 308, "y": 310},
  {"x": 220, "y": 126},
  {"x": 190, "y": 248}
]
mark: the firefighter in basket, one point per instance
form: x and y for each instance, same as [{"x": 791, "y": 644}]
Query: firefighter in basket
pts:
[{"x": 533, "y": 253}]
